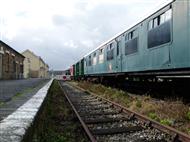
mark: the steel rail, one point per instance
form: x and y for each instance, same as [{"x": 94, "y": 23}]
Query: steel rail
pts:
[
  {"x": 177, "y": 135},
  {"x": 89, "y": 134}
]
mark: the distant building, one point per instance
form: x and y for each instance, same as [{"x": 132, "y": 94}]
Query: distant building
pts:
[
  {"x": 11, "y": 62},
  {"x": 34, "y": 66}
]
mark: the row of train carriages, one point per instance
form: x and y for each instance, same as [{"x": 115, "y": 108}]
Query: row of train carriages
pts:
[{"x": 159, "y": 45}]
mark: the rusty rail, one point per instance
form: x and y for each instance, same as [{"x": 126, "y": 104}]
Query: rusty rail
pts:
[
  {"x": 177, "y": 135},
  {"x": 89, "y": 134}
]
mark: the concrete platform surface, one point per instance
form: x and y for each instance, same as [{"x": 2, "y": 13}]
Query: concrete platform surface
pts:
[
  {"x": 29, "y": 89},
  {"x": 14, "y": 127},
  {"x": 9, "y": 88}
]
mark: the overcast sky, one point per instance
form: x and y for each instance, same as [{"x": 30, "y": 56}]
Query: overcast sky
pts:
[{"x": 62, "y": 31}]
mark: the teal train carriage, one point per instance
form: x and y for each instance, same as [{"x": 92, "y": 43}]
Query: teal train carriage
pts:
[{"x": 158, "y": 45}]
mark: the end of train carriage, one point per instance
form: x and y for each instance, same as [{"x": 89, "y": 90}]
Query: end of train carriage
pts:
[{"x": 78, "y": 70}]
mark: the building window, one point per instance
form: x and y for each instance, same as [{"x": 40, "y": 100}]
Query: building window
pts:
[
  {"x": 21, "y": 69},
  {"x": 14, "y": 66},
  {"x": 28, "y": 59},
  {"x": 7, "y": 62}
]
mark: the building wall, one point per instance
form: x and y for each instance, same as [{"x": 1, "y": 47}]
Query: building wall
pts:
[
  {"x": 31, "y": 66},
  {"x": 47, "y": 71},
  {"x": 1, "y": 57},
  {"x": 34, "y": 66},
  {"x": 11, "y": 63}
]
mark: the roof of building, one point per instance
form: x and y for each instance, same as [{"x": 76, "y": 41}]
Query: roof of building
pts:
[
  {"x": 35, "y": 56},
  {"x": 3, "y": 43},
  {"x": 30, "y": 53}
]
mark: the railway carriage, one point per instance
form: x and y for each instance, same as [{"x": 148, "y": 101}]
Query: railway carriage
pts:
[
  {"x": 158, "y": 45},
  {"x": 78, "y": 69}
]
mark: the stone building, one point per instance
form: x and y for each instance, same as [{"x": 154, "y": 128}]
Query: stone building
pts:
[
  {"x": 11, "y": 62},
  {"x": 34, "y": 66}
]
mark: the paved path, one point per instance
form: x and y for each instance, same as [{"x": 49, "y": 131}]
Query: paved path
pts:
[
  {"x": 9, "y": 88},
  {"x": 15, "y": 127},
  {"x": 16, "y": 93}
]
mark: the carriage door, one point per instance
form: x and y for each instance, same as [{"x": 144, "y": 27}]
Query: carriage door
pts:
[
  {"x": 1, "y": 65},
  {"x": 159, "y": 40},
  {"x": 118, "y": 55}
]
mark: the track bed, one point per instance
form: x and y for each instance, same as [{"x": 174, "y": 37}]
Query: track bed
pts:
[{"x": 107, "y": 121}]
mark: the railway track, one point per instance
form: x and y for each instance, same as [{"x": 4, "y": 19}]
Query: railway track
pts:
[{"x": 104, "y": 120}]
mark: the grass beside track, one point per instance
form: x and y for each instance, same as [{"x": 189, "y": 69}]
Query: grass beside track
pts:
[
  {"x": 57, "y": 122},
  {"x": 173, "y": 113}
]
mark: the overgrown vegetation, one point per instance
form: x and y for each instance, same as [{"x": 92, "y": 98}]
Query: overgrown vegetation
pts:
[
  {"x": 188, "y": 115},
  {"x": 19, "y": 94},
  {"x": 166, "y": 122},
  {"x": 57, "y": 122},
  {"x": 1, "y": 103},
  {"x": 153, "y": 116},
  {"x": 172, "y": 113}
]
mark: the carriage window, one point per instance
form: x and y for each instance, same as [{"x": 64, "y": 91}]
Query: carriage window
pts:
[
  {"x": 168, "y": 15},
  {"x": 111, "y": 46},
  {"x": 94, "y": 59},
  {"x": 131, "y": 45},
  {"x": 150, "y": 25},
  {"x": 110, "y": 52},
  {"x": 118, "y": 45},
  {"x": 117, "y": 48},
  {"x": 89, "y": 61},
  {"x": 101, "y": 56},
  {"x": 130, "y": 35},
  {"x": 133, "y": 34},
  {"x": 159, "y": 20},
  {"x": 126, "y": 37},
  {"x": 161, "y": 31},
  {"x": 162, "y": 18},
  {"x": 155, "y": 22},
  {"x": 85, "y": 62}
]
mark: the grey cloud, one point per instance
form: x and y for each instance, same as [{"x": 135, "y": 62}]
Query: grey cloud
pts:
[{"x": 93, "y": 26}]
